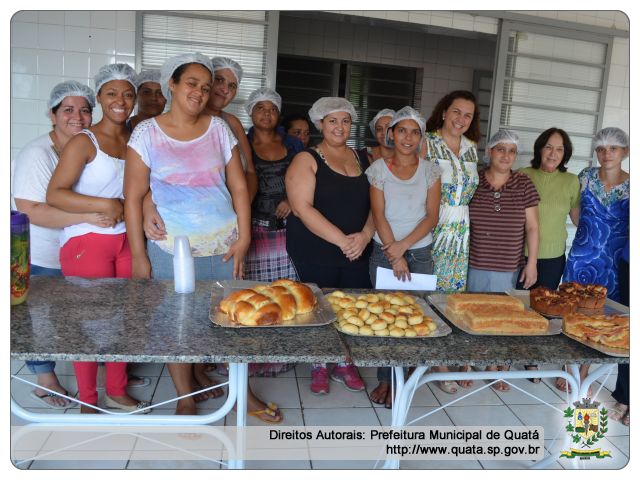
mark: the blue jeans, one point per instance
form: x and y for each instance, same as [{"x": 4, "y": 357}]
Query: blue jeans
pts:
[
  {"x": 418, "y": 259},
  {"x": 490, "y": 281},
  {"x": 35, "y": 366},
  {"x": 206, "y": 268}
]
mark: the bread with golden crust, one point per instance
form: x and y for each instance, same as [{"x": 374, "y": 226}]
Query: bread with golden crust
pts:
[
  {"x": 459, "y": 302},
  {"x": 551, "y": 302},
  {"x": 282, "y": 297},
  {"x": 495, "y": 319},
  {"x": 303, "y": 295},
  {"x": 256, "y": 310},
  {"x": 608, "y": 330}
]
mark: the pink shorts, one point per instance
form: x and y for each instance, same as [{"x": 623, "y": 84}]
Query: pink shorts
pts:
[{"x": 96, "y": 255}]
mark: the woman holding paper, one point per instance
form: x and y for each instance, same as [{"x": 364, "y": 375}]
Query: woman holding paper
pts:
[{"x": 405, "y": 203}]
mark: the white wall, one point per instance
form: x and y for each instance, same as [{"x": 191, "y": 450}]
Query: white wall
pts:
[{"x": 49, "y": 47}]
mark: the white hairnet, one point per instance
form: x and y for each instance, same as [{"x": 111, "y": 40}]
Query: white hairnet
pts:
[
  {"x": 263, "y": 94},
  {"x": 502, "y": 136},
  {"x": 611, "y": 136},
  {"x": 220, "y": 63},
  {"x": 385, "y": 112},
  {"x": 326, "y": 105},
  {"x": 114, "y": 71},
  {"x": 405, "y": 113},
  {"x": 70, "y": 88},
  {"x": 173, "y": 63},
  {"x": 147, "y": 76}
]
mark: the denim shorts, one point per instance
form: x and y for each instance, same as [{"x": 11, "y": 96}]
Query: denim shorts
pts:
[
  {"x": 490, "y": 281},
  {"x": 418, "y": 259},
  {"x": 206, "y": 268}
]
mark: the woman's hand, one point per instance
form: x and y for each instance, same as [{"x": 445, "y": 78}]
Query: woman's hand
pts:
[
  {"x": 283, "y": 209},
  {"x": 99, "y": 220},
  {"x": 529, "y": 275},
  {"x": 394, "y": 251},
  {"x": 114, "y": 209},
  {"x": 355, "y": 245},
  {"x": 238, "y": 251},
  {"x": 140, "y": 267},
  {"x": 154, "y": 228},
  {"x": 401, "y": 270}
]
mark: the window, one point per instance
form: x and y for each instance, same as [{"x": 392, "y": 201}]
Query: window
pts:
[
  {"x": 370, "y": 88},
  {"x": 245, "y": 36}
]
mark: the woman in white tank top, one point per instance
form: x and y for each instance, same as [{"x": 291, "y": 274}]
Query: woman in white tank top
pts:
[{"x": 89, "y": 178}]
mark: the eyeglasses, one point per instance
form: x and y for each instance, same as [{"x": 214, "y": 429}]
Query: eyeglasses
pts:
[{"x": 496, "y": 204}]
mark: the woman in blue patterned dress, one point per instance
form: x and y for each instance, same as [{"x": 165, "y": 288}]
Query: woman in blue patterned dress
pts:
[
  {"x": 603, "y": 229},
  {"x": 453, "y": 132}
]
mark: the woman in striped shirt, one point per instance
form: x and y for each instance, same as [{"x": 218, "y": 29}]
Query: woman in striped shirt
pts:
[{"x": 504, "y": 216}]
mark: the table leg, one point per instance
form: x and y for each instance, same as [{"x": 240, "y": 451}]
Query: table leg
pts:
[{"x": 240, "y": 386}]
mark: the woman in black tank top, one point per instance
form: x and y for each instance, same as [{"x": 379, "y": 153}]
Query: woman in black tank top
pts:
[{"x": 330, "y": 231}]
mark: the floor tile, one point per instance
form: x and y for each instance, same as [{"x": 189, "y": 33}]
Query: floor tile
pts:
[
  {"x": 78, "y": 465},
  {"x": 485, "y": 396},
  {"x": 279, "y": 390},
  {"x": 341, "y": 416},
  {"x": 616, "y": 429},
  {"x": 423, "y": 397},
  {"x": 17, "y": 365},
  {"x": 64, "y": 368},
  {"x": 517, "y": 464},
  {"x": 482, "y": 415},
  {"x": 543, "y": 416},
  {"x": 17, "y": 421},
  {"x": 146, "y": 369},
  {"x": 439, "y": 418},
  {"x": 172, "y": 465},
  {"x": 83, "y": 439},
  {"x": 201, "y": 411},
  {"x": 621, "y": 443},
  {"x": 165, "y": 390},
  {"x": 344, "y": 464},
  {"x": 277, "y": 465},
  {"x": 517, "y": 397},
  {"x": 440, "y": 465},
  {"x": 338, "y": 396}
]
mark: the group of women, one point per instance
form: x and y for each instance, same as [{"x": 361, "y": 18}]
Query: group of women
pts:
[{"x": 262, "y": 206}]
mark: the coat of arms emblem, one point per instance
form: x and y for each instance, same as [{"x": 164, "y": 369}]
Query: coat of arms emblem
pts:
[{"x": 586, "y": 426}]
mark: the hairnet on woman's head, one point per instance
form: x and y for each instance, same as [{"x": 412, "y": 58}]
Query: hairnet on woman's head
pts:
[
  {"x": 220, "y": 63},
  {"x": 326, "y": 105},
  {"x": 502, "y": 136},
  {"x": 262, "y": 94},
  {"x": 385, "y": 112},
  {"x": 70, "y": 88},
  {"x": 611, "y": 136},
  {"x": 405, "y": 113},
  {"x": 115, "y": 71},
  {"x": 147, "y": 76},
  {"x": 173, "y": 63}
]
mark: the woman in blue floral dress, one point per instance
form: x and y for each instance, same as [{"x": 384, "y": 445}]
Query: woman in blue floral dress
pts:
[
  {"x": 603, "y": 229},
  {"x": 453, "y": 132}
]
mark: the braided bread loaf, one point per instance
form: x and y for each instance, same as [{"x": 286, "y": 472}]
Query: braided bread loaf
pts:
[{"x": 269, "y": 304}]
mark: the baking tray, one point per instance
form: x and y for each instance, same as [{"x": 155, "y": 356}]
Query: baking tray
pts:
[
  {"x": 612, "y": 352},
  {"x": 442, "y": 329},
  {"x": 322, "y": 314},
  {"x": 610, "y": 307},
  {"x": 439, "y": 300}
]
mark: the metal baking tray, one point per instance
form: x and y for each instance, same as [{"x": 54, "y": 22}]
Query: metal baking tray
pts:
[
  {"x": 442, "y": 329},
  {"x": 610, "y": 307},
  {"x": 612, "y": 352},
  {"x": 439, "y": 300},
  {"x": 322, "y": 313}
]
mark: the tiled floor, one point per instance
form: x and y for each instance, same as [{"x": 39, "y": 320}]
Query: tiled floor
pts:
[{"x": 291, "y": 392}]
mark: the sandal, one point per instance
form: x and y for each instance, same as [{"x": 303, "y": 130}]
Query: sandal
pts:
[
  {"x": 465, "y": 383},
  {"x": 204, "y": 396},
  {"x": 618, "y": 412},
  {"x": 379, "y": 394},
  {"x": 48, "y": 396},
  {"x": 447, "y": 386},
  {"x": 564, "y": 387},
  {"x": 625, "y": 420},
  {"x": 499, "y": 386},
  {"x": 273, "y": 412},
  {"x": 531, "y": 368}
]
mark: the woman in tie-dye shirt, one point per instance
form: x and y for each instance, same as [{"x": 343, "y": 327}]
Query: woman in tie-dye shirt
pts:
[{"x": 191, "y": 163}]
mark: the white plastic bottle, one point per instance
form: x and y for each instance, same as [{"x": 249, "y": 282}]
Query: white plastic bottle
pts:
[{"x": 184, "y": 276}]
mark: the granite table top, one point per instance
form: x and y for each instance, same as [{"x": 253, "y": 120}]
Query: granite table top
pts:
[
  {"x": 463, "y": 348},
  {"x": 124, "y": 320}
]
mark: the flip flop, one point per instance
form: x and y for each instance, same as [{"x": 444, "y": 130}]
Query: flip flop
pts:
[
  {"x": 42, "y": 399},
  {"x": 626, "y": 420},
  {"x": 380, "y": 402},
  {"x": 272, "y": 410},
  {"x": 388, "y": 404},
  {"x": 618, "y": 412},
  {"x": 447, "y": 386},
  {"x": 532, "y": 368},
  {"x": 213, "y": 393}
]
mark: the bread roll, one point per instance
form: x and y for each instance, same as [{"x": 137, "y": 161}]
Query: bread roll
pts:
[
  {"x": 366, "y": 330},
  {"x": 305, "y": 299},
  {"x": 422, "y": 330},
  {"x": 410, "y": 332},
  {"x": 387, "y": 317},
  {"x": 257, "y": 310},
  {"x": 400, "y": 323},
  {"x": 227, "y": 303},
  {"x": 362, "y": 304},
  {"x": 337, "y": 293},
  {"x": 396, "y": 332},
  {"x": 414, "y": 319},
  {"x": 381, "y": 333},
  {"x": 350, "y": 328},
  {"x": 282, "y": 297},
  {"x": 375, "y": 307},
  {"x": 355, "y": 321},
  {"x": 372, "y": 298},
  {"x": 379, "y": 325}
]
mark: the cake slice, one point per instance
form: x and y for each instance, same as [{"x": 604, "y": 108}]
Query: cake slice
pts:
[
  {"x": 459, "y": 302},
  {"x": 495, "y": 319}
]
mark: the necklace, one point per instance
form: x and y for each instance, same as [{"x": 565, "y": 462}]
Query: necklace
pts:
[{"x": 56, "y": 143}]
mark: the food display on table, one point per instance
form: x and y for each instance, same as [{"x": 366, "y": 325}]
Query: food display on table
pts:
[
  {"x": 489, "y": 314},
  {"x": 567, "y": 299},
  {"x": 269, "y": 304},
  {"x": 610, "y": 331},
  {"x": 589, "y": 295},
  {"x": 380, "y": 314}
]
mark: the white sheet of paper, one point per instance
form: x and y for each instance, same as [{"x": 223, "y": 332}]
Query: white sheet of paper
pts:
[{"x": 419, "y": 281}]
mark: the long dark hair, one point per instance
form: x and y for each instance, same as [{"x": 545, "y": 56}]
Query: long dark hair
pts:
[
  {"x": 289, "y": 119},
  {"x": 436, "y": 121},
  {"x": 542, "y": 141}
]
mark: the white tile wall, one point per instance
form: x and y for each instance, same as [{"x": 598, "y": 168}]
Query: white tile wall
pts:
[{"x": 48, "y": 47}]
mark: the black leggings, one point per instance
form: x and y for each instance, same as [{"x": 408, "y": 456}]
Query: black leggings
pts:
[
  {"x": 355, "y": 275},
  {"x": 549, "y": 273}
]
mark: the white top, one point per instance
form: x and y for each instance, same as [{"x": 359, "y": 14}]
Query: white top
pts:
[
  {"x": 102, "y": 177},
  {"x": 34, "y": 166},
  {"x": 405, "y": 201},
  {"x": 188, "y": 185}
]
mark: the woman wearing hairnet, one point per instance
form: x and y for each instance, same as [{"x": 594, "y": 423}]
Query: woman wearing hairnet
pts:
[
  {"x": 403, "y": 237},
  {"x": 150, "y": 99},
  {"x": 603, "y": 228},
  {"x": 328, "y": 236},
  {"x": 69, "y": 108},
  {"x": 89, "y": 178},
  {"x": 452, "y": 134},
  {"x": 378, "y": 126},
  {"x": 504, "y": 217}
]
